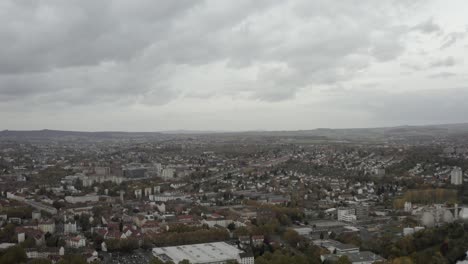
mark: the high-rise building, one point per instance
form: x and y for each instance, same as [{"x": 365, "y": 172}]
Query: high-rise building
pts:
[
  {"x": 104, "y": 171},
  {"x": 346, "y": 214},
  {"x": 408, "y": 207},
  {"x": 456, "y": 176},
  {"x": 168, "y": 173}
]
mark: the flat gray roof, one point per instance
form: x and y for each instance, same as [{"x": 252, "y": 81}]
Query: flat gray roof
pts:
[{"x": 199, "y": 253}]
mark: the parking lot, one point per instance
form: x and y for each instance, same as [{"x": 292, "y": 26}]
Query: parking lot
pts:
[{"x": 136, "y": 257}]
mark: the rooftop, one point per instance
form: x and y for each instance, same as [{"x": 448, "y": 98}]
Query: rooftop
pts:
[{"x": 199, "y": 253}]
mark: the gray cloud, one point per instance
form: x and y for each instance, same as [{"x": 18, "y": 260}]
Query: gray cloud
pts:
[
  {"x": 412, "y": 66},
  {"x": 442, "y": 75},
  {"x": 154, "y": 54},
  {"x": 452, "y": 38},
  {"x": 446, "y": 62},
  {"x": 411, "y": 107},
  {"x": 41, "y": 36},
  {"x": 317, "y": 42},
  {"x": 427, "y": 27}
]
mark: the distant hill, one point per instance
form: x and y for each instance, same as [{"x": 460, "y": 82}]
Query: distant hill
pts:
[
  {"x": 382, "y": 133},
  {"x": 58, "y": 134}
]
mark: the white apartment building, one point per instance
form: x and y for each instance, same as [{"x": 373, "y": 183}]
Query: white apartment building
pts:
[
  {"x": 47, "y": 226},
  {"x": 456, "y": 176},
  {"x": 346, "y": 214},
  {"x": 69, "y": 228},
  {"x": 168, "y": 173}
]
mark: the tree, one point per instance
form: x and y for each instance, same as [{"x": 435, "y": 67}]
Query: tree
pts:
[
  {"x": 349, "y": 238},
  {"x": 231, "y": 227},
  {"x": 84, "y": 222},
  {"x": 51, "y": 241},
  {"x": 343, "y": 260},
  {"x": 184, "y": 261},
  {"x": 241, "y": 231},
  {"x": 40, "y": 261},
  {"x": 403, "y": 260},
  {"x": 15, "y": 254},
  {"x": 128, "y": 245},
  {"x": 292, "y": 237},
  {"x": 112, "y": 244},
  {"x": 29, "y": 242},
  {"x": 73, "y": 259},
  {"x": 7, "y": 234},
  {"x": 147, "y": 244},
  {"x": 58, "y": 204},
  {"x": 158, "y": 261},
  {"x": 313, "y": 254},
  {"x": 280, "y": 257}
]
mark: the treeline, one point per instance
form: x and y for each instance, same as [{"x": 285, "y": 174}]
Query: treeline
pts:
[
  {"x": 20, "y": 211},
  {"x": 284, "y": 256},
  {"x": 7, "y": 233},
  {"x": 50, "y": 175},
  {"x": 122, "y": 245},
  {"x": 17, "y": 254},
  {"x": 445, "y": 244},
  {"x": 191, "y": 237},
  {"x": 284, "y": 215},
  {"x": 427, "y": 196}
]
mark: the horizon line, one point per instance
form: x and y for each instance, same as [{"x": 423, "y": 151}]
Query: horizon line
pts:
[{"x": 174, "y": 131}]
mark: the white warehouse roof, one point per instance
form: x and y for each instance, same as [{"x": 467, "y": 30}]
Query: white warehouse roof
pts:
[{"x": 199, "y": 253}]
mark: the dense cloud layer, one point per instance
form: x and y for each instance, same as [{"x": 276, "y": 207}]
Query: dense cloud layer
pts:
[{"x": 158, "y": 59}]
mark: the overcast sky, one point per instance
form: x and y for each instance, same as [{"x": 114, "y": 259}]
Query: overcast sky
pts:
[{"x": 231, "y": 65}]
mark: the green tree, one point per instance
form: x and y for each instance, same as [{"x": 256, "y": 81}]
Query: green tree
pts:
[
  {"x": 7, "y": 233},
  {"x": 158, "y": 261},
  {"x": 241, "y": 231},
  {"x": 29, "y": 242},
  {"x": 231, "y": 227},
  {"x": 73, "y": 259},
  {"x": 113, "y": 244},
  {"x": 51, "y": 241},
  {"x": 40, "y": 261},
  {"x": 128, "y": 245},
  {"x": 402, "y": 260},
  {"x": 343, "y": 260},
  {"x": 15, "y": 254},
  {"x": 292, "y": 237},
  {"x": 281, "y": 257}
]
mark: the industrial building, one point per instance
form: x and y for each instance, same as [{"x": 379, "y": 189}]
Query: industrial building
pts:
[{"x": 216, "y": 252}]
